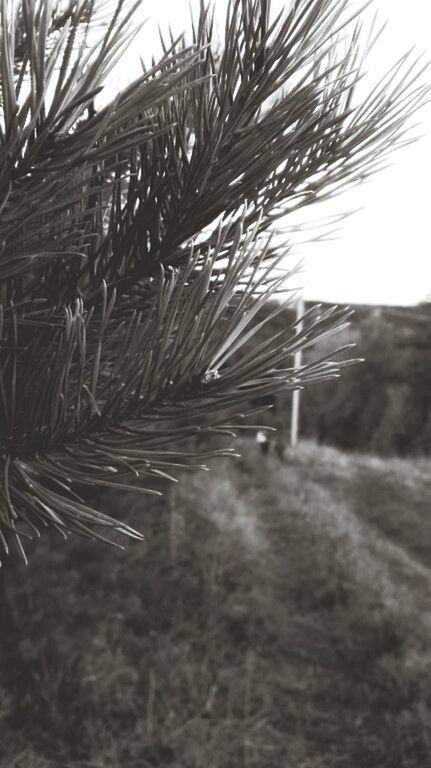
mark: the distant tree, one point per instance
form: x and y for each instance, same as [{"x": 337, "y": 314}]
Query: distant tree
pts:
[
  {"x": 359, "y": 403},
  {"x": 414, "y": 352},
  {"x": 132, "y": 261},
  {"x": 384, "y": 404}
]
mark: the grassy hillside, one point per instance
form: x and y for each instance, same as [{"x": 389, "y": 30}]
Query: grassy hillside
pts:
[{"x": 277, "y": 616}]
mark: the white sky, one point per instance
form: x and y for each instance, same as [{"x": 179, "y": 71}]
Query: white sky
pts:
[{"x": 382, "y": 253}]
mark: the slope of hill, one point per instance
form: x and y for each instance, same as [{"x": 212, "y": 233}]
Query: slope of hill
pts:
[{"x": 278, "y": 616}]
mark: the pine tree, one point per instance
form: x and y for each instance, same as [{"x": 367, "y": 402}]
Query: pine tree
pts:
[{"x": 136, "y": 239}]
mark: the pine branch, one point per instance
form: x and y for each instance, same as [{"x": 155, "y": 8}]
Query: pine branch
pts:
[
  {"x": 276, "y": 121},
  {"x": 88, "y": 401},
  {"x": 132, "y": 272},
  {"x": 58, "y": 167}
]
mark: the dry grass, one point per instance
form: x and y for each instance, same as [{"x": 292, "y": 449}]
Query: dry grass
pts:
[{"x": 277, "y": 616}]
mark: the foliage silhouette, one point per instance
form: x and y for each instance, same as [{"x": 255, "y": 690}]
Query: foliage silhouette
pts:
[{"x": 136, "y": 240}]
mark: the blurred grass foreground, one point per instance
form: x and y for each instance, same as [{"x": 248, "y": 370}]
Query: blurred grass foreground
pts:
[{"x": 277, "y": 615}]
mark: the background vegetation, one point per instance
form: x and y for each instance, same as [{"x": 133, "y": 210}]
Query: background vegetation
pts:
[
  {"x": 281, "y": 620},
  {"x": 381, "y": 406}
]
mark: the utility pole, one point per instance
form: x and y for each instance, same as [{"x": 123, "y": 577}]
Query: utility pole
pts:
[{"x": 296, "y": 394}]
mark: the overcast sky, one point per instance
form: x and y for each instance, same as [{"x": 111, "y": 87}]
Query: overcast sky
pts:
[{"x": 382, "y": 254}]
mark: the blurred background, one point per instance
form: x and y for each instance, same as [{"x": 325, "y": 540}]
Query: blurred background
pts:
[{"x": 277, "y": 614}]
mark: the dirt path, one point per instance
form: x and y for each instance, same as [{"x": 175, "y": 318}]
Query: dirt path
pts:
[
  {"x": 277, "y": 616},
  {"x": 357, "y": 600}
]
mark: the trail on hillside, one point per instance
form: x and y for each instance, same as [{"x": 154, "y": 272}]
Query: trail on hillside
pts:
[
  {"x": 391, "y": 495},
  {"x": 276, "y": 616},
  {"x": 357, "y": 594}
]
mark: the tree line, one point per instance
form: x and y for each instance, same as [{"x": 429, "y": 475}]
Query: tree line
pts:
[{"x": 381, "y": 405}]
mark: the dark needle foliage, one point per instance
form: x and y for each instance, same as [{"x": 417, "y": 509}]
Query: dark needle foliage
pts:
[{"x": 135, "y": 246}]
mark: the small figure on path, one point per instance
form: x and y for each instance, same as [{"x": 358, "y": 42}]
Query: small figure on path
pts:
[{"x": 263, "y": 441}]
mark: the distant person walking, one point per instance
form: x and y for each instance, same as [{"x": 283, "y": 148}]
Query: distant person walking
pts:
[{"x": 262, "y": 440}]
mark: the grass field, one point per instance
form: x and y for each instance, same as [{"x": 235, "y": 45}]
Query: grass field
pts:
[{"x": 278, "y": 615}]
